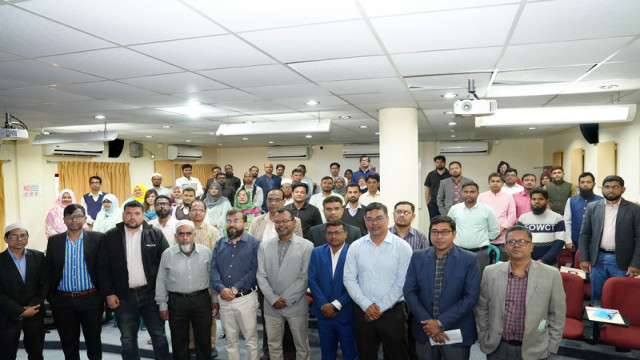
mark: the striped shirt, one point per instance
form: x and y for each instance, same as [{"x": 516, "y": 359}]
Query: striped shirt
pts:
[
  {"x": 515, "y": 305},
  {"x": 415, "y": 238},
  {"x": 75, "y": 276}
]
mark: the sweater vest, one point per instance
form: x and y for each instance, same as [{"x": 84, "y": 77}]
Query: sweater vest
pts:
[{"x": 93, "y": 207}]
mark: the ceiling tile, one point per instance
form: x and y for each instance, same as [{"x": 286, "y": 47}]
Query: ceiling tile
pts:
[
  {"x": 375, "y": 8},
  {"x": 615, "y": 71},
  {"x": 153, "y": 101},
  {"x": 287, "y": 91},
  {"x": 104, "y": 90},
  {"x": 263, "y": 75},
  {"x": 41, "y": 73},
  {"x": 219, "y": 96},
  {"x": 41, "y": 95},
  {"x": 365, "y": 86},
  {"x": 446, "y": 82},
  {"x": 447, "y": 62},
  {"x": 630, "y": 53},
  {"x": 5, "y": 56},
  {"x": 298, "y": 103},
  {"x": 184, "y": 82},
  {"x": 541, "y": 76},
  {"x": 388, "y": 99},
  {"x": 602, "y": 98},
  {"x": 12, "y": 84},
  {"x": 346, "y": 69}
]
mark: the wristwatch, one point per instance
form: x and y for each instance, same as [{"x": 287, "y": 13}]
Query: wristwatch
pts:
[{"x": 234, "y": 290}]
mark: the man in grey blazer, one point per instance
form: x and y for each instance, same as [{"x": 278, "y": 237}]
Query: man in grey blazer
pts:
[
  {"x": 283, "y": 265},
  {"x": 521, "y": 310},
  {"x": 450, "y": 190},
  {"x": 610, "y": 237}
]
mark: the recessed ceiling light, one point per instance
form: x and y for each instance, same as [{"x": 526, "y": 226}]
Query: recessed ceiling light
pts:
[
  {"x": 453, "y": 123},
  {"x": 376, "y": 133},
  {"x": 148, "y": 136},
  {"x": 271, "y": 142},
  {"x": 248, "y": 122},
  {"x": 449, "y": 95},
  {"x": 345, "y": 117},
  {"x": 363, "y": 126},
  {"x": 188, "y": 140},
  {"x": 166, "y": 126},
  {"x": 212, "y": 133},
  {"x": 312, "y": 102},
  {"x": 521, "y": 133},
  {"x": 609, "y": 87},
  {"x": 45, "y": 133},
  {"x": 245, "y": 139},
  {"x": 532, "y": 128},
  {"x": 452, "y": 136},
  {"x": 452, "y": 131},
  {"x": 100, "y": 117},
  {"x": 308, "y": 136}
]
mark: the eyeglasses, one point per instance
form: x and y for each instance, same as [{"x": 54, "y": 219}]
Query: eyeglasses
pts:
[
  {"x": 331, "y": 233},
  {"x": 198, "y": 210},
  {"x": 74, "y": 217},
  {"x": 273, "y": 200},
  {"x": 435, "y": 233},
  {"x": 520, "y": 242},
  {"x": 14, "y": 237},
  {"x": 377, "y": 219},
  {"x": 163, "y": 204},
  {"x": 285, "y": 187},
  {"x": 95, "y": 183},
  {"x": 278, "y": 222},
  {"x": 234, "y": 221},
  {"x": 610, "y": 187},
  {"x": 400, "y": 212}
]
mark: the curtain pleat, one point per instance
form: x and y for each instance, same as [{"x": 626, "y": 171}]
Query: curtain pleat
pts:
[
  {"x": 201, "y": 172},
  {"x": 75, "y": 175}
]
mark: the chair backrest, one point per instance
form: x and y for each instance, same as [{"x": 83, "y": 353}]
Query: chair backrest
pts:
[
  {"x": 576, "y": 256},
  {"x": 573, "y": 285},
  {"x": 564, "y": 257},
  {"x": 622, "y": 294}
]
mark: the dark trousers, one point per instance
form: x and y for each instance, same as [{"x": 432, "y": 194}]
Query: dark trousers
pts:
[
  {"x": 190, "y": 311},
  {"x": 71, "y": 313},
  {"x": 288, "y": 347},
  {"x": 141, "y": 304},
  {"x": 33, "y": 329},
  {"x": 330, "y": 332},
  {"x": 432, "y": 206},
  {"x": 390, "y": 330}
]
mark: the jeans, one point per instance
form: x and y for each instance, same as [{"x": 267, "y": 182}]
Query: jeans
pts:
[
  {"x": 604, "y": 268},
  {"x": 137, "y": 304}
]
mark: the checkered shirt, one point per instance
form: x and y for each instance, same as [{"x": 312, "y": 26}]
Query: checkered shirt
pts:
[
  {"x": 440, "y": 263},
  {"x": 515, "y": 306}
]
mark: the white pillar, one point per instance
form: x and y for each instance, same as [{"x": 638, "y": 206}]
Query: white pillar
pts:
[{"x": 399, "y": 161}]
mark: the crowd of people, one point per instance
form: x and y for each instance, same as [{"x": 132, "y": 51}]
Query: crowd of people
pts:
[{"x": 286, "y": 248}]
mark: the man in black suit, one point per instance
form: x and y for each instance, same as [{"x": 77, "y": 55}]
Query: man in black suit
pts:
[
  {"x": 23, "y": 288},
  {"x": 333, "y": 210},
  {"x": 128, "y": 267},
  {"x": 72, "y": 259}
]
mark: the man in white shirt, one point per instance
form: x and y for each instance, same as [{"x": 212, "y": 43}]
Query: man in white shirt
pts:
[
  {"x": 373, "y": 194},
  {"x": 156, "y": 182},
  {"x": 164, "y": 221},
  {"x": 510, "y": 182},
  {"x": 326, "y": 184},
  {"x": 92, "y": 201},
  {"x": 188, "y": 181}
]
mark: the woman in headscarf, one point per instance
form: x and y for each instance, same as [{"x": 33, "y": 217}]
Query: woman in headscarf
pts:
[
  {"x": 109, "y": 215},
  {"x": 217, "y": 206},
  {"x": 176, "y": 197},
  {"x": 545, "y": 178},
  {"x": 137, "y": 195},
  {"x": 502, "y": 168},
  {"x": 54, "y": 224},
  {"x": 340, "y": 186},
  {"x": 242, "y": 201},
  {"x": 149, "y": 205}
]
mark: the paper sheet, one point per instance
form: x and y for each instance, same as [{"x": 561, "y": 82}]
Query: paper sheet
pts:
[
  {"x": 616, "y": 319},
  {"x": 455, "y": 337}
]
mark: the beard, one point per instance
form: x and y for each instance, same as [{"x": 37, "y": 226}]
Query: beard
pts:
[
  {"x": 186, "y": 248},
  {"x": 234, "y": 233},
  {"x": 132, "y": 225},
  {"x": 538, "y": 210},
  {"x": 353, "y": 199},
  {"x": 162, "y": 214},
  {"x": 612, "y": 197},
  {"x": 586, "y": 193}
]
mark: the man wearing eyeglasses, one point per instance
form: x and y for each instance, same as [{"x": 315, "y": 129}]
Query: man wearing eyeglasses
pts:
[
  {"x": 511, "y": 185},
  {"x": 374, "y": 274},
  {"x": 364, "y": 170},
  {"x": 164, "y": 221},
  {"x": 24, "y": 286},
  {"x": 403, "y": 215},
  {"x": 521, "y": 310},
  {"x": 610, "y": 237},
  {"x": 437, "y": 308},
  {"x": 92, "y": 201},
  {"x": 72, "y": 265},
  {"x": 283, "y": 265}
]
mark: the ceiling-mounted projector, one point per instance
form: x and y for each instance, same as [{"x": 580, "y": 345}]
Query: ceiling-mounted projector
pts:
[
  {"x": 473, "y": 105},
  {"x": 9, "y": 132}
]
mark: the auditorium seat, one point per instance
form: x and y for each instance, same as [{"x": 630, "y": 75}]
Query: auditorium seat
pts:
[
  {"x": 573, "y": 326},
  {"x": 622, "y": 294},
  {"x": 587, "y": 284},
  {"x": 564, "y": 257}
]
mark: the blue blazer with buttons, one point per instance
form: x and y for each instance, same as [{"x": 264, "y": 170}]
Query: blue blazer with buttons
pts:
[{"x": 326, "y": 287}]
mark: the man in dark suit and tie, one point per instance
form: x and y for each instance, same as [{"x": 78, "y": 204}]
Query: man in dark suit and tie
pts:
[
  {"x": 332, "y": 304},
  {"x": 441, "y": 289},
  {"x": 610, "y": 237},
  {"x": 23, "y": 288},
  {"x": 72, "y": 259},
  {"x": 333, "y": 210}
]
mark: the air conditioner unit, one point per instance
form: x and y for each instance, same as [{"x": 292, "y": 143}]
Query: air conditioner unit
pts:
[
  {"x": 300, "y": 152},
  {"x": 74, "y": 149},
  {"x": 355, "y": 151},
  {"x": 183, "y": 152},
  {"x": 464, "y": 147}
]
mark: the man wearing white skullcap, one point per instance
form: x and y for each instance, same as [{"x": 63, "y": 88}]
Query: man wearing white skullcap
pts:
[{"x": 156, "y": 181}]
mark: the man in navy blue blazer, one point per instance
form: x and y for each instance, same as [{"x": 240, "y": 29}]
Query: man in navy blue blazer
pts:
[
  {"x": 441, "y": 289},
  {"x": 331, "y": 302}
]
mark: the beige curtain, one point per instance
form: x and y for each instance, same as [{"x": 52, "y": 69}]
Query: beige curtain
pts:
[
  {"x": 201, "y": 172},
  {"x": 3, "y": 218},
  {"x": 75, "y": 175}
]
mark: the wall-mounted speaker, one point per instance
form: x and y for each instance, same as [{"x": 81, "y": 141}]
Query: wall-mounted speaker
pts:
[
  {"x": 115, "y": 148},
  {"x": 590, "y": 132}
]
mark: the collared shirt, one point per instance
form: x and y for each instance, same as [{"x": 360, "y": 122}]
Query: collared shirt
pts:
[
  {"x": 516, "y": 188},
  {"x": 375, "y": 274},
  {"x": 269, "y": 230},
  {"x": 75, "y": 275},
  {"x": 334, "y": 263},
  {"x": 192, "y": 182},
  {"x": 283, "y": 247},
  {"x": 161, "y": 190},
  {"x": 475, "y": 226},
  {"x": 182, "y": 273},
  {"x": 608, "y": 241},
  {"x": 439, "y": 279},
  {"x": 235, "y": 264},
  {"x": 21, "y": 263},
  {"x": 352, "y": 211},
  {"x": 168, "y": 230},
  {"x": 515, "y": 305},
  {"x": 504, "y": 206},
  {"x": 457, "y": 192},
  {"x": 317, "y": 199},
  {"x": 134, "y": 258},
  {"x": 91, "y": 219},
  {"x": 416, "y": 239},
  {"x": 433, "y": 182},
  {"x": 358, "y": 174},
  {"x": 207, "y": 235},
  {"x": 523, "y": 203},
  {"x": 309, "y": 216},
  {"x": 367, "y": 198}
]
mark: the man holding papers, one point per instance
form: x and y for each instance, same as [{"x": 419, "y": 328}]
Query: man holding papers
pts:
[{"x": 441, "y": 289}]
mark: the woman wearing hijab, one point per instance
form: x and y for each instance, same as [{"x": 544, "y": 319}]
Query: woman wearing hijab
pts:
[
  {"x": 340, "y": 187},
  {"x": 176, "y": 197},
  {"x": 109, "y": 215},
  {"x": 502, "y": 168},
  {"x": 545, "y": 178},
  {"x": 242, "y": 201},
  {"x": 149, "y": 205},
  {"x": 217, "y": 206},
  {"x": 54, "y": 224},
  {"x": 137, "y": 195}
]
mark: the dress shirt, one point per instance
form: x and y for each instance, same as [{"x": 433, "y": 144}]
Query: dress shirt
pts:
[
  {"x": 309, "y": 216},
  {"x": 182, "y": 273},
  {"x": 90, "y": 219},
  {"x": 135, "y": 268},
  {"x": 162, "y": 190},
  {"x": 191, "y": 182},
  {"x": 513, "y": 189},
  {"x": 334, "y": 262},
  {"x": 375, "y": 274},
  {"x": 317, "y": 199},
  {"x": 504, "y": 206},
  {"x": 169, "y": 228},
  {"x": 235, "y": 264},
  {"x": 608, "y": 241},
  {"x": 75, "y": 275},
  {"x": 352, "y": 211},
  {"x": 283, "y": 247},
  {"x": 523, "y": 203},
  {"x": 515, "y": 305},
  {"x": 475, "y": 226},
  {"x": 367, "y": 198},
  {"x": 207, "y": 235},
  {"x": 416, "y": 239},
  {"x": 269, "y": 230},
  {"x": 21, "y": 263}
]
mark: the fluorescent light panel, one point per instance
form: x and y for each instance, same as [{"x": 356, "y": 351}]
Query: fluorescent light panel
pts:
[
  {"x": 558, "y": 115},
  {"x": 96, "y": 136},
  {"x": 284, "y": 127}
]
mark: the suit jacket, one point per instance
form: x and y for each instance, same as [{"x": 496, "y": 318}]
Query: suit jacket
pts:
[
  {"x": 262, "y": 181},
  {"x": 327, "y": 287},
  {"x": 112, "y": 266},
  {"x": 445, "y": 194},
  {"x": 545, "y": 300},
  {"x": 627, "y": 234},
  {"x": 260, "y": 223},
  {"x": 458, "y": 295},
  {"x": 318, "y": 234},
  {"x": 15, "y": 293},
  {"x": 56, "y": 250},
  {"x": 288, "y": 281}
]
